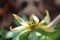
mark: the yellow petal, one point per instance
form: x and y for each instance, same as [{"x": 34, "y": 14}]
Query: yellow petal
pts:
[
  {"x": 46, "y": 19},
  {"x": 19, "y": 19},
  {"x": 25, "y": 24},
  {"x": 34, "y": 18},
  {"x": 20, "y": 28},
  {"x": 17, "y": 29},
  {"x": 48, "y": 29}
]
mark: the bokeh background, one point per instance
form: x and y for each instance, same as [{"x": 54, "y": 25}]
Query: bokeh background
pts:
[{"x": 22, "y": 7}]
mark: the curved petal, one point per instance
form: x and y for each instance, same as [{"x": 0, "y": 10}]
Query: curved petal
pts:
[
  {"x": 34, "y": 18},
  {"x": 19, "y": 19},
  {"x": 18, "y": 29},
  {"x": 46, "y": 19},
  {"x": 48, "y": 29}
]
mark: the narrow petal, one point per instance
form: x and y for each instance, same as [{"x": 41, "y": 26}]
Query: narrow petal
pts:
[
  {"x": 19, "y": 19},
  {"x": 18, "y": 29},
  {"x": 34, "y": 18},
  {"x": 48, "y": 29},
  {"x": 46, "y": 19},
  {"x": 25, "y": 24}
]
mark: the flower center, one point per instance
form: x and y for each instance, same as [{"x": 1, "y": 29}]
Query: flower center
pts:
[{"x": 32, "y": 25}]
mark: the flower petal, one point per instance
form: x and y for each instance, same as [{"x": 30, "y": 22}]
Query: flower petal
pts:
[
  {"x": 48, "y": 29},
  {"x": 19, "y": 19},
  {"x": 20, "y": 28},
  {"x": 34, "y": 18},
  {"x": 46, "y": 19}
]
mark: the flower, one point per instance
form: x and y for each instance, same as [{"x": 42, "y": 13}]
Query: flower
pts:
[{"x": 33, "y": 23}]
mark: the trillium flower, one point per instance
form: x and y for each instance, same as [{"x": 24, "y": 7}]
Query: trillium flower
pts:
[{"x": 33, "y": 23}]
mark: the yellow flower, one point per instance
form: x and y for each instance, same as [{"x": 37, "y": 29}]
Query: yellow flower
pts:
[{"x": 33, "y": 23}]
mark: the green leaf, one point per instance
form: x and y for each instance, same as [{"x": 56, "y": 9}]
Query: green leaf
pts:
[
  {"x": 3, "y": 33},
  {"x": 55, "y": 35},
  {"x": 21, "y": 35},
  {"x": 42, "y": 31},
  {"x": 16, "y": 38},
  {"x": 6, "y": 34},
  {"x": 33, "y": 36},
  {"x": 45, "y": 38},
  {"x": 24, "y": 17},
  {"x": 57, "y": 27},
  {"x": 10, "y": 34},
  {"x": 3, "y": 39},
  {"x": 24, "y": 36}
]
